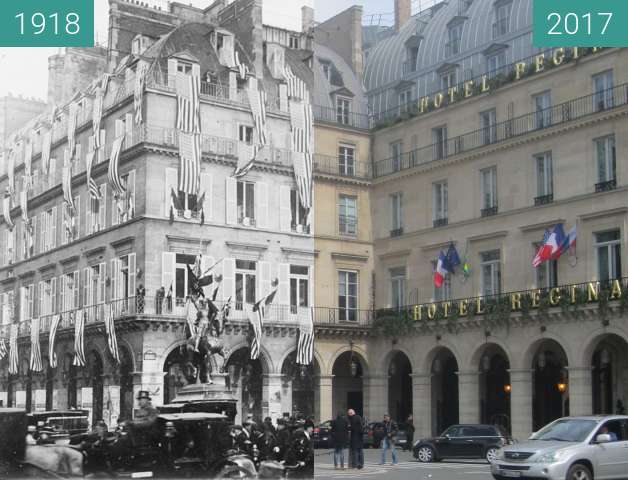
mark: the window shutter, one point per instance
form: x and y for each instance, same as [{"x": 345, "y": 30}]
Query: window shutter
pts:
[
  {"x": 89, "y": 215},
  {"x": 43, "y": 233},
  {"x": 115, "y": 214},
  {"x": 114, "y": 278},
  {"x": 3, "y": 241},
  {"x": 87, "y": 300},
  {"x": 101, "y": 151},
  {"x": 18, "y": 241},
  {"x": 170, "y": 184},
  {"x": 53, "y": 295},
  {"x": 284, "y": 284},
  {"x": 31, "y": 301},
  {"x": 228, "y": 279},
  {"x": 76, "y": 292},
  {"x": 102, "y": 207},
  {"x": 263, "y": 286},
  {"x": 102, "y": 272},
  {"x": 285, "y": 211},
  {"x": 62, "y": 305},
  {"x": 22, "y": 303},
  {"x": 41, "y": 304},
  {"x": 52, "y": 172},
  {"x": 261, "y": 204},
  {"x": 128, "y": 141},
  {"x": 119, "y": 128},
  {"x": 77, "y": 226},
  {"x": 131, "y": 194},
  {"x": 208, "y": 188},
  {"x": 167, "y": 270},
  {"x": 53, "y": 228},
  {"x": 132, "y": 275},
  {"x": 231, "y": 201}
]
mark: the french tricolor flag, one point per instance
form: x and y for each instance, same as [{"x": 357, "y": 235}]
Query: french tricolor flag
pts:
[
  {"x": 554, "y": 244},
  {"x": 441, "y": 271}
]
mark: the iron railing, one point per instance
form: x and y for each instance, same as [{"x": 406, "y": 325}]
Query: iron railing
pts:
[
  {"x": 559, "y": 114},
  {"x": 348, "y": 119},
  {"x": 346, "y": 317},
  {"x": 342, "y": 167},
  {"x": 544, "y": 199},
  {"x": 606, "y": 186}
]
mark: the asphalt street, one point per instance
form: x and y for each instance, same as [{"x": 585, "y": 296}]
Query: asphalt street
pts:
[{"x": 407, "y": 468}]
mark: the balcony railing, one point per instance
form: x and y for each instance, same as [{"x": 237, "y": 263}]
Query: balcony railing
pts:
[
  {"x": 543, "y": 199},
  {"x": 346, "y": 317},
  {"x": 349, "y": 119},
  {"x": 397, "y": 232},
  {"x": 606, "y": 186},
  {"x": 489, "y": 211},
  {"x": 440, "y": 222},
  {"x": 342, "y": 167},
  {"x": 559, "y": 114}
]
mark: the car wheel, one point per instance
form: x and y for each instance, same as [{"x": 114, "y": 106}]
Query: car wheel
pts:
[
  {"x": 425, "y": 454},
  {"x": 579, "y": 472},
  {"x": 491, "y": 455}
]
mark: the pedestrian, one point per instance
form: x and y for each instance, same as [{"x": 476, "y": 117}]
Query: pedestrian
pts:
[
  {"x": 159, "y": 300},
  {"x": 340, "y": 437},
  {"x": 356, "y": 447},
  {"x": 388, "y": 442},
  {"x": 410, "y": 432}
]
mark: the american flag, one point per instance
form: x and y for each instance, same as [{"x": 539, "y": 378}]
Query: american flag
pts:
[
  {"x": 35, "y": 363},
  {"x": 189, "y": 162},
  {"x": 110, "y": 330},
  {"x": 67, "y": 181},
  {"x": 538, "y": 257},
  {"x": 106, "y": 77},
  {"x": 6, "y": 211},
  {"x": 79, "y": 333},
  {"x": 3, "y": 348},
  {"x": 114, "y": 177},
  {"x": 138, "y": 96},
  {"x": 45, "y": 151},
  {"x": 188, "y": 103},
  {"x": 24, "y": 205},
  {"x": 243, "y": 68},
  {"x": 94, "y": 191},
  {"x": 72, "y": 119},
  {"x": 13, "y": 353},
  {"x": 11, "y": 171},
  {"x": 305, "y": 347},
  {"x": 52, "y": 337},
  {"x": 97, "y": 116},
  {"x": 28, "y": 163},
  {"x": 296, "y": 87},
  {"x": 248, "y": 153},
  {"x": 246, "y": 158},
  {"x": 256, "y": 318}
]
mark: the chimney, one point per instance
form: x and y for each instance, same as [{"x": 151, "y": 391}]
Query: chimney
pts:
[
  {"x": 307, "y": 18},
  {"x": 403, "y": 12}
]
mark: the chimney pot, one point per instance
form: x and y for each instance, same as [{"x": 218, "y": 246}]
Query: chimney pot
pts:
[{"x": 403, "y": 12}]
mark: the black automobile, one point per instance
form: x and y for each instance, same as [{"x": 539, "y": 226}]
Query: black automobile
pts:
[
  {"x": 463, "y": 441},
  {"x": 321, "y": 435},
  {"x": 58, "y": 426}
]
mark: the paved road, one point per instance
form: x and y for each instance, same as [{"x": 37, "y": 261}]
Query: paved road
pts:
[{"x": 407, "y": 468}]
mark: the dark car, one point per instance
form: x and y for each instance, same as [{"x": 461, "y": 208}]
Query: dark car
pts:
[
  {"x": 463, "y": 441},
  {"x": 321, "y": 435},
  {"x": 373, "y": 434},
  {"x": 59, "y": 425}
]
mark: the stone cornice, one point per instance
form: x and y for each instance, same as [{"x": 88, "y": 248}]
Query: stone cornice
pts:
[
  {"x": 541, "y": 225},
  {"x": 349, "y": 257},
  {"x": 604, "y": 213}
]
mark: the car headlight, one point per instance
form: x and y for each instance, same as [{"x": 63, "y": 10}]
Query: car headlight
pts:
[
  {"x": 499, "y": 455},
  {"x": 552, "y": 457}
]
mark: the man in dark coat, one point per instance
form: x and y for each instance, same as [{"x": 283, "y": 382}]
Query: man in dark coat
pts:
[
  {"x": 340, "y": 438},
  {"x": 356, "y": 452},
  {"x": 410, "y": 433},
  {"x": 284, "y": 437}
]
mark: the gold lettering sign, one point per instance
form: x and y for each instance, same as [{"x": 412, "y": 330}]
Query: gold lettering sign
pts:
[
  {"x": 520, "y": 69},
  {"x": 558, "y": 57},
  {"x": 424, "y": 104},
  {"x": 615, "y": 290},
  {"x": 446, "y": 308},
  {"x": 573, "y": 294},
  {"x": 479, "y": 306},
  {"x": 575, "y": 53},
  {"x": 485, "y": 86},
  {"x": 438, "y": 100},
  {"x": 554, "y": 297},
  {"x": 431, "y": 311},
  {"x": 536, "y": 298},
  {"x": 418, "y": 312},
  {"x": 453, "y": 91},
  {"x": 463, "y": 307},
  {"x": 539, "y": 63},
  {"x": 515, "y": 301},
  {"x": 468, "y": 88},
  {"x": 593, "y": 291}
]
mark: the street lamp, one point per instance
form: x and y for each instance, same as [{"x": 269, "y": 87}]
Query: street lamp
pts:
[
  {"x": 507, "y": 388},
  {"x": 486, "y": 363},
  {"x": 562, "y": 386}
]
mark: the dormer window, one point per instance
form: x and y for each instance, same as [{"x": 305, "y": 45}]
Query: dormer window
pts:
[
  {"x": 502, "y": 18},
  {"x": 326, "y": 70},
  {"x": 220, "y": 40},
  {"x": 448, "y": 80},
  {"x": 293, "y": 42},
  {"x": 455, "y": 37},
  {"x": 140, "y": 44},
  {"x": 496, "y": 63},
  {"x": 405, "y": 99},
  {"x": 184, "y": 67}
]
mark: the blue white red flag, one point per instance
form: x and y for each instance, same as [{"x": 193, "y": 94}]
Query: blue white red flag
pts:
[
  {"x": 442, "y": 269},
  {"x": 555, "y": 243}
]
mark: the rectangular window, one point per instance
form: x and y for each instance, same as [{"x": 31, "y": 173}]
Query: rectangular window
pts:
[
  {"x": 182, "y": 280},
  {"x": 488, "y": 123},
  {"x": 405, "y": 99},
  {"x": 489, "y": 190},
  {"x": 502, "y": 19},
  {"x": 439, "y": 140},
  {"x": 299, "y": 287},
  {"x": 246, "y": 203},
  {"x": 346, "y": 160},
  {"x": 490, "y": 268},
  {"x": 444, "y": 292},
  {"x": 245, "y": 283},
  {"x": 546, "y": 273},
  {"x": 448, "y": 80},
  {"x": 396, "y": 202},
  {"x": 184, "y": 67},
  {"x": 347, "y": 215},
  {"x": 397, "y": 287},
  {"x": 439, "y": 204},
  {"x": 496, "y": 64},
  {"x": 544, "y": 178},
  {"x": 298, "y": 221},
  {"x": 245, "y": 134},
  {"x": 455, "y": 34},
  {"x": 396, "y": 153},
  {"x": 294, "y": 42},
  {"x": 606, "y": 162},
  {"x": 343, "y": 110},
  {"x": 347, "y": 295},
  {"x": 608, "y": 249},
  {"x": 188, "y": 202},
  {"x": 543, "y": 109},
  {"x": 603, "y": 88}
]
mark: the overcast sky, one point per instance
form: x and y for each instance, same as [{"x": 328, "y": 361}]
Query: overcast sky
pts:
[{"x": 25, "y": 70}]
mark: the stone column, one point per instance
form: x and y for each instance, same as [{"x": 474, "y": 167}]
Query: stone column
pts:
[
  {"x": 375, "y": 397},
  {"x": 580, "y": 391},
  {"x": 271, "y": 396},
  {"x": 422, "y": 404},
  {"x": 521, "y": 403},
  {"x": 325, "y": 398},
  {"x": 468, "y": 397}
]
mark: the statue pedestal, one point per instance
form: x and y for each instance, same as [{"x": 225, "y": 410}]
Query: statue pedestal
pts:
[{"x": 217, "y": 391}]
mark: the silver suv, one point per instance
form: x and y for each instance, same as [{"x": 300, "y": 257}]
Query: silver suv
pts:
[{"x": 570, "y": 448}]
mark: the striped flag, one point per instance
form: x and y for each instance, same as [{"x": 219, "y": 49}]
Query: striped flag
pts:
[
  {"x": 28, "y": 163},
  {"x": 45, "y": 151},
  {"x": 114, "y": 176},
  {"x": 24, "y": 205},
  {"x": 246, "y": 158},
  {"x": 106, "y": 77},
  {"x": 13, "y": 353},
  {"x": 305, "y": 347},
  {"x": 3, "y": 348},
  {"x": 11, "y": 171},
  {"x": 256, "y": 318},
  {"x": 110, "y": 330},
  {"x": 138, "y": 96},
  {"x": 72, "y": 119},
  {"x": 6, "y": 212},
  {"x": 189, "y": 162},
  {"x": 188, "y": 89},
  {"x": 79, "y": 332},
  {"x": 35, "y": 363},
  {"x": 94, "y": 191},
  {"x": 52, "y": 338},
  {"x": 97, "y": 116},
  {"x": 243, "y": 68},
  {"x": 67, "y": 181}
]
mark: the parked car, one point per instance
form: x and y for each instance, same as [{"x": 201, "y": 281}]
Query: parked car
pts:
[
  {"x": 373, "y": 434},
  {"x": 57, "y": 426},
  {"x": 571, "y": 448},
  {"x": 321, "y": 435},
  {"x": 463, "y": 441}
]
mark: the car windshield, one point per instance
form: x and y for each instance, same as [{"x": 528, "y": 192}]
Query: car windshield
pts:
[{"x": 566, "y": 430}]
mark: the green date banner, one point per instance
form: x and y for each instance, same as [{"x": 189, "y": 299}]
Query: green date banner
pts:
[
  {"x": 47, "y": 23},
  {"x": 580, "y": 23}
]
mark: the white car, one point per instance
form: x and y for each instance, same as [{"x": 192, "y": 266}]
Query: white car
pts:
[{"x": 571, "y": 448}]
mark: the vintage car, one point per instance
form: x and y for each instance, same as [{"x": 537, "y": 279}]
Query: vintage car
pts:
[
  {"x": 224, "y": 407},
  {"x": 58, "y": 426}
]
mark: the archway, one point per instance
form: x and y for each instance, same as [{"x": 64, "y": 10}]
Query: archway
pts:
[
  {"x": 399, "y": 387},
  {"x": 246, "y": 380},
  {"x": 126, "y": 384},
  {"x": 174, "y": 378},
  {"x": 550, "y": 398},
  {"x": 494, "y": 386},
  {"x": 347, "y": 385},
  {"x": 609, "y": 384},
  {"x": 298, "y": 387},
  {"x": 95, "y": 381},
  {"x": 445, "y": 407}
]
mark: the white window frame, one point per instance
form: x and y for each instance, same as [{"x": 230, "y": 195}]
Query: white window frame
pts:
[
  {"x": 347, "y": 313},
  {"x": 245, "y": 208},
  {"x": 180, "y": 266},
  {"x": 346, "y": 159},
  {"x": 491, "y": 266},
  {"x": 603, "y": 83},
  {"x": 443, "y": 293},
  {"x": 397, "y": 287},
  {"x": 439, "y": 142},
  {"x": 245, "y": 133},
  {"x": 440, "y": 200},
  {"x": 405, "y": 99},
  {"x": 495, "y": 63},
  {"x": 610, "y": 158},
  {"x": 347, "y": 212},
  {"x": 613, "y": 249},
  {"x": 247, "y": 277},
  {"x": 454, "y": 36},
  {"x": 396, "y": 211},
  {"x": 396, "y": 154},
  {"x": 299, "y": 288},
  {"x": 488, "y": 123},
  {"x": 542, "y": 103},
  {"x": 343, "y": 110},
  {"x": 544, "y": 174},
  {"x": 298, "y": 214},
  {"x": 448, "y": 80},
  {"x": 488, "y": 188}
]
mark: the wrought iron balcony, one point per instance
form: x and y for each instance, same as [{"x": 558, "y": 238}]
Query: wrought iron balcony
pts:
[
  {"x": 489, "y": 211},
  {"x": 342, "y": 317},
  {"x": 543, "y": 199},
  {"x": 349, "y": 119},
  {"x": 606, "y": 186},
  {"x": 440, "y": 222},
  {"x": 397, "y": 232},
  {"x": 329, "y": 165}
]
